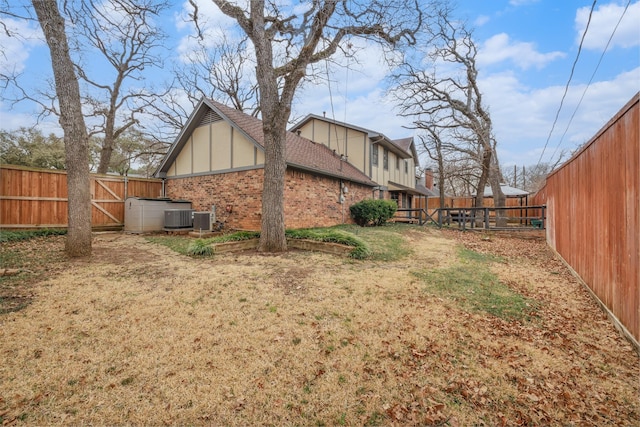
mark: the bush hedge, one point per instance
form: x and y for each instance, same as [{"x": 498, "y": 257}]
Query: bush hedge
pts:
[{"x": 373, "y": 211}]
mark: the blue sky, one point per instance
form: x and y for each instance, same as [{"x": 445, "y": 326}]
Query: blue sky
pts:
[{"x": 526, "y": 51}]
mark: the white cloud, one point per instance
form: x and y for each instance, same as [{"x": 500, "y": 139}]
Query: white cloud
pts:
[
  {"x": 209, "y": 15},
  {"x": 212, "y": 23},
  {"x": 13, "y": 117},
  {"x": 358, "y": 79},
  {"x": 501, "y": 48},
  {"x": 603, "y": 22},
  {"x": 15, "y": 50},
  {"x": 523, "y": 116},
  {"x": 481, "y": 20}
]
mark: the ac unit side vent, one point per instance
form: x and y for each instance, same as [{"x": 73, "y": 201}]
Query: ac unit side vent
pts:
[
  {"x": 178, "y": 218},
  {"x": 202, "y": 221}
]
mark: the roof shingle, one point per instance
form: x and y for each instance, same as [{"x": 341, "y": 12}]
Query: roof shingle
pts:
[{"x": 300, "y": 152}]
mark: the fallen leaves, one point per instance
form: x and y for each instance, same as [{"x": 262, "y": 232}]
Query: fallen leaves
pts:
[{"x": 358, "y": 343}]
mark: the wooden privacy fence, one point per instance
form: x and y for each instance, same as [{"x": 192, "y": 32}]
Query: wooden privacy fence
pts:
[
  {"x": 593, "y": 210},
  {"x": 37, "y": 198}
]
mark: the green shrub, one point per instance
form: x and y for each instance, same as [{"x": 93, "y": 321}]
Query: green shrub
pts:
[
  {"x": 200, "y": 247},
  {"x": 373, "y": 211},
  {"x": 235, "y": 237},
  {"x": 331, "y": 235}
]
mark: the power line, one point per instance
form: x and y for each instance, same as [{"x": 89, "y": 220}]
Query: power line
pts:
[
  {"x": 592, "y": 77},
  {"x": 566, "y": 88},
  {"x": 333, "y": 113}
]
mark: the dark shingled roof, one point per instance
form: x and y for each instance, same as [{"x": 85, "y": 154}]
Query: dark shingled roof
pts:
[
  {"x": 404, "y": 144},
  {"x": 301, "y": 153}
]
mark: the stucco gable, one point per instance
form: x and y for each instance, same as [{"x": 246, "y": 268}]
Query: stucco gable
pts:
[
  {"x": 301, "y": 152},
  {"x": 403, "y": 147}
]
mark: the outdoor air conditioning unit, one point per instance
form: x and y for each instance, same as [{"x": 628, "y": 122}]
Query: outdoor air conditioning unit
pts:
[
  {"x": 202, "y": 221},
  {"x": 176, "y": 219}
]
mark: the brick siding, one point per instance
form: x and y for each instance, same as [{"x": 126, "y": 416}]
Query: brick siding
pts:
[{"x": 310, "y": 200}]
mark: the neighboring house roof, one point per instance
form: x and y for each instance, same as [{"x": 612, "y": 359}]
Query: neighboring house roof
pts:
[
  {"x": 425, "y": 191},
  {"x": 403, "y": 147},
  {"x": 508, "y": 191},
  {"x": 301, "y": 152}
]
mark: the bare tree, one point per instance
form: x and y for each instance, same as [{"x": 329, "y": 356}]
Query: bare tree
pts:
[
  {"x": 75, "y": 132},
  {"x": 432, "y": 145},
  {"x": 286, "y": 42},
  {"x": 125, "y": 36},
  {"x": 461, "y": 176},
  {"x": 221, "y": 72},
  {"x": 135, "y": 153},
  {"x": 448, "y": 99},
  {"x": 531, "y": 178},
  {"x": 114, "y": 42}
]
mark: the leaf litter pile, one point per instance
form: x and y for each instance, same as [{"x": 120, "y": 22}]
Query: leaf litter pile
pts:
[{"x": 467, "y": 329}]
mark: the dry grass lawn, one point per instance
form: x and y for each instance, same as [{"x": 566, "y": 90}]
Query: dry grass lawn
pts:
[{"x": 139, "y": 334}]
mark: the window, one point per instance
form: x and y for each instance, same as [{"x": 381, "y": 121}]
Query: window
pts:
[
  {"x": 385, "y": 159},
  {"x": 374, "y": 155},
  {"x": 406, "y": 166},
  {"x": 397, "y": 163}
]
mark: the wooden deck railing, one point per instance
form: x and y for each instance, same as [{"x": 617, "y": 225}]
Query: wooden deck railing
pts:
[{"x": 490, "y": 218}]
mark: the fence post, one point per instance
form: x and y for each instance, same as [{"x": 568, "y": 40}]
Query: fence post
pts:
[{"x": 486, "y": 218}]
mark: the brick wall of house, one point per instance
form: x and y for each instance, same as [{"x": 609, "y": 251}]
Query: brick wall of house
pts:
[
  {"x": 310, "y": 200},
  {"x": 237, "y": 196},
  {"x": 314, "y": 201}
]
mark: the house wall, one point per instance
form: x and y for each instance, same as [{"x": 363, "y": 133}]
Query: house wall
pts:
[
  {"x": 237, "y": 196},
  {"x": 350, "y": 142},
  {"x": 313, "y": 200},
  {"x": 310, "y": 200},
  {"x": 399, "y": 175},
  {"x": 357, "y": 146},
  {"x": 216, "y": 146}
]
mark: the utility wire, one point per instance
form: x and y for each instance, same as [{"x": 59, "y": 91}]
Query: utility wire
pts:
[
  {"x": 566, "y": 88},
  {"x": 333, "y": 113},
  {"x": 591, "y": 79}
]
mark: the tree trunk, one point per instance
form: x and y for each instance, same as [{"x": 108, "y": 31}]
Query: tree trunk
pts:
[
  {"x": 499, "y": 199},
  {"x": 441, "y": 189},
  {"x": 76, "y": 141},
  {"x": 440, "y": 160},
  {"x": 485, "y": 165},
  {"x": 105, "y": 154},
  {"x": 275, "y": 114},
  {"x": 272, "y": 236}
]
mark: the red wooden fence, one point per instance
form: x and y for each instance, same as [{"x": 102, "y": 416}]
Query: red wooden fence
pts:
[
  {"x": 37, "y": 198},
  {"x": 593, "y": 219}
]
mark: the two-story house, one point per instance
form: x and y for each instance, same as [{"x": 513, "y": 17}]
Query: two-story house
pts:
[{"x": 390, "y": 163}]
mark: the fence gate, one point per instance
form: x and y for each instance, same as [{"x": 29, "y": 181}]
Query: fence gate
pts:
[{"x": 107, "y": 201}]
